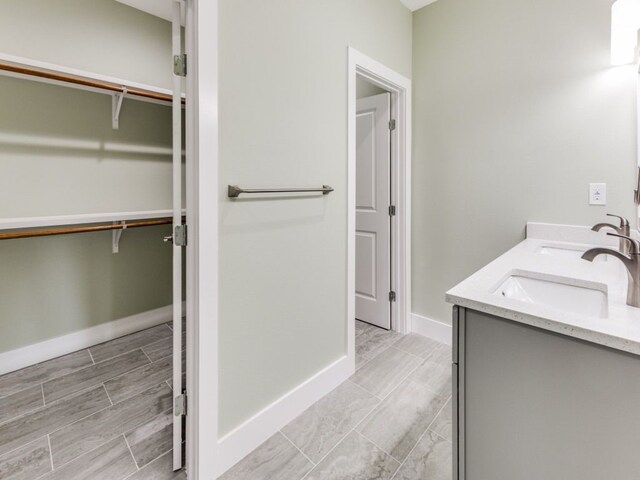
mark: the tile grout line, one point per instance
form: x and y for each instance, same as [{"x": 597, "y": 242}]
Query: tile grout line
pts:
[
  {"x": 79, "y": 392},
  {"x": 436, "y": 417},
  {"x": 354, "y": 429},
  {"x": 135, "y": 462},
  {"x": 399, "y": 382},
  {"x": 365, "y": 390},
  {"x": 344, "y": 437},
  {"x": 103, "y": 409},
  {"x": 50, "y": 452},
  {"x": 367, "y": 360},
  {"x": 158, "y": 457},
  {"x": 386, "y": 347},
  {"x": 297, "y": 448},
  {"x": 121, "y": 374},
  {"x": 438, "y": 435},
  {"x": 57, "y": 429},
  {"x": 421, "y": 437},
  {"x": 133, "y": 348},
  {"x": 76, "y": 458},
  {"x": 377, "y": 446},
  {"x": 145, "y": 354},
  {"x": 84, "y": 418},
  {"x": 70, "y": 398},
  {"x": 107, "y": 392},
  {"x": 152, "y": 461}
]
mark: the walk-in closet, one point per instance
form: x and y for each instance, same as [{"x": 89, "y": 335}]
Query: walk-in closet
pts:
[{"x": 92, "y": 236}]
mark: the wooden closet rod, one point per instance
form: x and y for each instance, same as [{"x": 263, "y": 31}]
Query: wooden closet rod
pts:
[
  {"x": 96, "y": 228},
  {"x": 85, "y": 83}
]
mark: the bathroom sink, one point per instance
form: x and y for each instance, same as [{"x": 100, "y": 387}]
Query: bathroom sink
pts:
[
  {"x": 558, "y": 294},
  {"x": 566, "y": 252}
]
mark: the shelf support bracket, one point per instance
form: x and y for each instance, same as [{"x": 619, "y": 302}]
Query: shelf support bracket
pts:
[
  {"x": 116, "y": 106},
  {"x": 116, "y": 235}
]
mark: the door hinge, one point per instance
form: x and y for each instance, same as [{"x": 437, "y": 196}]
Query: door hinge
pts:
[
  {"x": 180, "y": 236},
  {"x": 392, "y": 210},
  {"x": 180, "y": 405},
  {"x": 392, "y": 296},
  {"x": 392, "y": 124},
  {"x": 180, "y": 65}
]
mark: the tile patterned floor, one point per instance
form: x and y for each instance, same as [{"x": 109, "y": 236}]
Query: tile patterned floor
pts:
[
  {"x": 104, "y": 413},
  {"x": 390, "y": 421}
]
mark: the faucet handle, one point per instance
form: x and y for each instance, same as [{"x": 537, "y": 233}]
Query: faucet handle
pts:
[
  {"x": 635, "y": 245},
  {"x": 623, "y": 221}
]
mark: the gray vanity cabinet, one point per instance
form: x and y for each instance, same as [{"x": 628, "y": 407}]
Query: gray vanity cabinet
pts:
[{"x": 534, "y": 405}]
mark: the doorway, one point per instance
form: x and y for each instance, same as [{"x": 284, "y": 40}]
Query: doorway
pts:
[
  {"x": 379, "y": 196},
  {"x": 374, "y": 209}
]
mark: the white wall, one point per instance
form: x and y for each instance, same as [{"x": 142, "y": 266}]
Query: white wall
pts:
[
  {"x": 59, "y": 155},
  {"x": 283, "y": 111},
  {"x": 101, "y": 36},
  {"x": 516, "y": 110},
  {"x": 366, "y": 89}
]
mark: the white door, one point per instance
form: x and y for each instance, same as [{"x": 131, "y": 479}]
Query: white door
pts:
[
  {"x": 178, "y": 387},
  {"x": 373, "y": 225}
]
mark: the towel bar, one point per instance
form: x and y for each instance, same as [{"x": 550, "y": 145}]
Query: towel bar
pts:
[{"x": 235, "y": 191}]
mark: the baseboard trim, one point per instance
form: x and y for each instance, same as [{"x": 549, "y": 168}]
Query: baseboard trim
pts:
[
  {"x": 72, "y": 342},
  {"x": 234, "y": 446},
  {"x": 433, "y": 329}
]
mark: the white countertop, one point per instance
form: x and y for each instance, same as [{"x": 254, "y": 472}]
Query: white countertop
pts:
[{"x": 621, "y": 330}]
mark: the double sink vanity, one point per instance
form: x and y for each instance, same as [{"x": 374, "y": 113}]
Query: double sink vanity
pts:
[{"x": 546, "y": 361}]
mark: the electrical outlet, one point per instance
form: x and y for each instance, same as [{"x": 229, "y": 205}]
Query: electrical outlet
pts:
[{"x": 597, "y": 194}]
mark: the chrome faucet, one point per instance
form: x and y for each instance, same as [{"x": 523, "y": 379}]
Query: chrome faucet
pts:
[
  {"x": 623, "y": 230},
  {"x": 630, "y": 260}
]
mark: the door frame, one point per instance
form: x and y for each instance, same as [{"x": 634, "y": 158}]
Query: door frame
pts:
[
  {"x": 399, "y": 86},
  {"x": 202, "y": 250}
]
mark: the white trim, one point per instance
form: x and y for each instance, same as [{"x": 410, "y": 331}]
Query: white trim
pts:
[
  {"x": 201, "y": 35},
  {"x": 176, "y": 272},
  {"x": 72, "y": 342},
  {"x": 234, "y": 446},
  {"x": 438, "y": 331},
  {"x": 400, "y": 88}
]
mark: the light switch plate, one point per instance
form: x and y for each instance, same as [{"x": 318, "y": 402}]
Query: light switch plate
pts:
[{"x": 597, "y": 194}]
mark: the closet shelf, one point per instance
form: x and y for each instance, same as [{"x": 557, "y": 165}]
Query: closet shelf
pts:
[
  {"x": 62, "y": 220},
  {"x": 118, "y": 88},
  {"x": 17, "y": 228}
]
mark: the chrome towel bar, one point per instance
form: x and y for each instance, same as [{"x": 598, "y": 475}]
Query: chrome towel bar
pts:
[{"x": 235, "y": 191}]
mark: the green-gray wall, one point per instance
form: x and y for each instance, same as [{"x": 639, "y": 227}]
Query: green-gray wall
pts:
[
  {"x": 516, "y": 110},
  {"x": 366, "y": 89},
  {"x": 60, "y": 156},
  {"x": 283, "y": 111}
]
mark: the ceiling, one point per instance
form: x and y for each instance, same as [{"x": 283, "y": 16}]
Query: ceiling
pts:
[
  {"x": 414, "y": 5},
  {"x": 163, "y": 8}
]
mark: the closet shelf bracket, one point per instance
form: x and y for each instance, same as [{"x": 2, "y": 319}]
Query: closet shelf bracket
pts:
[
  {"x": 116, "y": 106},
  {"x": 116, "y": 235}
]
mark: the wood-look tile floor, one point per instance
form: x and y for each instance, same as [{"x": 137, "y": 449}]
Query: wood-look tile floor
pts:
[
  {"x": 390, "y": 421},
  {"x": 104, "y": 413}
]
